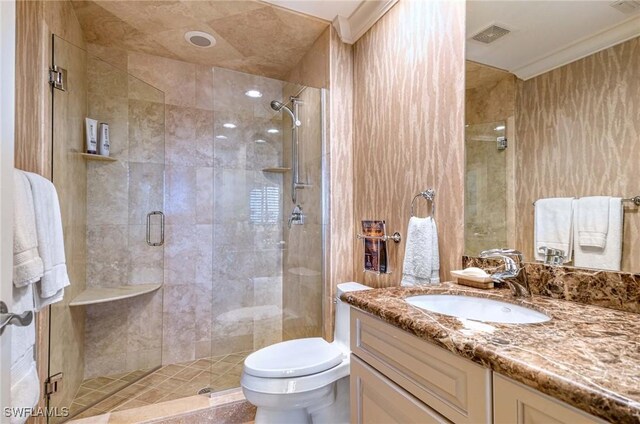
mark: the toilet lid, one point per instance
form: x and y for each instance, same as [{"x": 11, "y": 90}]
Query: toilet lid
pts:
[{"x": 293, "y": 358}]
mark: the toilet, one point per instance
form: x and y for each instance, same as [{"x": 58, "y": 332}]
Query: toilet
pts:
[{"x": 303, "y": 380}]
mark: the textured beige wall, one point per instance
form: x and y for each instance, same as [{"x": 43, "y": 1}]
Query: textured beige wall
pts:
[
  {"x": 340, "y": 163},
  {"x": 409, "y": 129},
  {"x": 578, "y": 131}
]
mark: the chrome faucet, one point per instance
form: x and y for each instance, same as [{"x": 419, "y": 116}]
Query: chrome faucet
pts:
[{"x": 514, "y": 274}]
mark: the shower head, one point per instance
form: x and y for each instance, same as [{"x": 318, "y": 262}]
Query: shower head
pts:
[{"x": 278, "y": 106}]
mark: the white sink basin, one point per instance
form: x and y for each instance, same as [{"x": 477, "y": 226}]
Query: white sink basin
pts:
[{"x": 477, "y": 309}]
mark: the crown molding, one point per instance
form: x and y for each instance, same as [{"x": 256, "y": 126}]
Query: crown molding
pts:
[
  {"x": 625, "y": 30},
  {"x": 364, "y": 17}
]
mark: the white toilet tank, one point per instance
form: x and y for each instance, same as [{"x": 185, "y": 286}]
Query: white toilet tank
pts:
[{"x": 341, "y": 333}]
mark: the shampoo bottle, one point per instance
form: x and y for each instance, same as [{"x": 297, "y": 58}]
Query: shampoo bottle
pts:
[
  {"x": 103, "y": 142},
  {"x": 91, "y": 129}
]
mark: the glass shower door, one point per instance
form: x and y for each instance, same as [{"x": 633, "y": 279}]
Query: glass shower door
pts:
[
  {"x": 107, "y": 332},
  {"x": 267, "y": 273}
]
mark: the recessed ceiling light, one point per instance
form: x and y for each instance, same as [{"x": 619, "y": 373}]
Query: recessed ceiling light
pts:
[
  {"x": 221, "y": 137},
  {"x": 229, "y": 125},
  {"x": 273, "y": 131},
  {"x": 260, "y": 141},
  {"x": 499, "y": 128},
  {"x": 253, "y": 93},
  {"x": 200, "y": 39}
]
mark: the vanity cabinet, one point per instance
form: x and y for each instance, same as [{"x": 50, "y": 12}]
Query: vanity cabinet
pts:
[
  {"x": 399, "y": 378},
  {"x": 515, "y": 403}
]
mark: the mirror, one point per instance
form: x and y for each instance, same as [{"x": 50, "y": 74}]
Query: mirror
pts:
[{"x": 553, "y": 111}]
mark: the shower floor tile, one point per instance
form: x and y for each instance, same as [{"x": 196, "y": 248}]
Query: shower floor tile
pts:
[{"x": 169, "y": 382}]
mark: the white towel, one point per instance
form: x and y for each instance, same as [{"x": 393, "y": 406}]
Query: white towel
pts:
[
  {"x": 25, "y": 384},
  {"x": 50, "y": 289},
  {"x": 25, "y": 387},
  {"x": 592, "y": 221},
  {"x": 611, "y": 256},
  {"x": 27, "y": 269},
  {"x": 553, "y": 226},
  {"x": 27, "y": 265},
  {"x": 23, "y": 338},
  {"x": 421, "y": 257}
]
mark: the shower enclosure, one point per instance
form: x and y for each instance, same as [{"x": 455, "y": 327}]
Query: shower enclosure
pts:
[
  {"x": 180, "y": 255},
  {"x": 489, "y": 193}
]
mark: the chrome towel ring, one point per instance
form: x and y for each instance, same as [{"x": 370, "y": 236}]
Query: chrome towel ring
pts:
[{"x": 428, "y": 194}]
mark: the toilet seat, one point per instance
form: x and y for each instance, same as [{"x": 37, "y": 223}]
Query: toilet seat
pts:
[{"x": 293, "y": 358}]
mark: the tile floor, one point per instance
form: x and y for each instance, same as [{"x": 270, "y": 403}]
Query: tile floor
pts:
[{"x": 166, "y": 383}]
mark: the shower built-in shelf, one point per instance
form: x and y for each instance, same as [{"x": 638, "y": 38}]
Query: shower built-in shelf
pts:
[
  {"x": 94, "y": 295},
  {"x": 92, "y": 156},
  {"x": 277, "y": 170}
]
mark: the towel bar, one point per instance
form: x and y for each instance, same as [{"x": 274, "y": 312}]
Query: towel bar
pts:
[
  {"x": 635, "y": 200},
  {"x": 428, "y": 194},
  {"x": 395, "y": 237}
]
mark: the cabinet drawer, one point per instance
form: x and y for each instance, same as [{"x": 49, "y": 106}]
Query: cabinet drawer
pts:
[
  {"x": 376, "y": 399},
  {"x": 455, "y": 387},
  {"x": 515, "y": 403}
]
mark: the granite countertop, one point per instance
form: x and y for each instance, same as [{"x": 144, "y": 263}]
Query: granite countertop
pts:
[{"x": 586, "y": 356}]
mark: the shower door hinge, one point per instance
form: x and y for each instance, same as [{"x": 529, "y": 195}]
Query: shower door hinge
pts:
[
  {"x": 53, "y": 384},
  {"x": 58, "y": 78},
  {"x": 502, "y": 143}
]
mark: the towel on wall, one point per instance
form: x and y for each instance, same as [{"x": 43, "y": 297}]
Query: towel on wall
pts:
[
  {"x": 609, "y": 257},
  {"x": 28, "y": 268},
  {"x": 421, "y": 256},
  {"x": 50, "y": 289},
  {"x": 25, "y": 386},
  {"x": 553, "y": 226},
  {"x": 27, "y": 264},
  {"x": 592, "y": 221}
]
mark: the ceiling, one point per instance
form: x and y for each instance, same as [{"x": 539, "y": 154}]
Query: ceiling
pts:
[
  {"x": 251, "y": 36},
  {"x": 323, "y": 9},
  {"x": 545, "y": 34}
]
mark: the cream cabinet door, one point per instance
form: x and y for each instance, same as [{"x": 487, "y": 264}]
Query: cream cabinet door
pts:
[
  {"x": 515, "y": 403},
  {"x": 456, "y": 388},
  {"x": 377, "y": 400}
]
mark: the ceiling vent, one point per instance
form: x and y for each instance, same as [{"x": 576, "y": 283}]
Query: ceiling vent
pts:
[
  {"x": 626, "y": 6},
  {"x": 491, "y": 34}
]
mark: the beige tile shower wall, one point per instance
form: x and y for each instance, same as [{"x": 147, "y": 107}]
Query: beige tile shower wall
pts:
[
  {"x": 492, "y": 102},
  {"x": 578, "y": 132},
  {"x": 409, "y": 128},
  {"x": 340, "y": 161},
  {"x": 313, "y": 68}
]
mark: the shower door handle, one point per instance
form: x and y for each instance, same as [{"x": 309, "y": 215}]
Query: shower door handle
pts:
[
  {"x": 8, "y": 318},
  {"x": 149, "y": 215}
]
